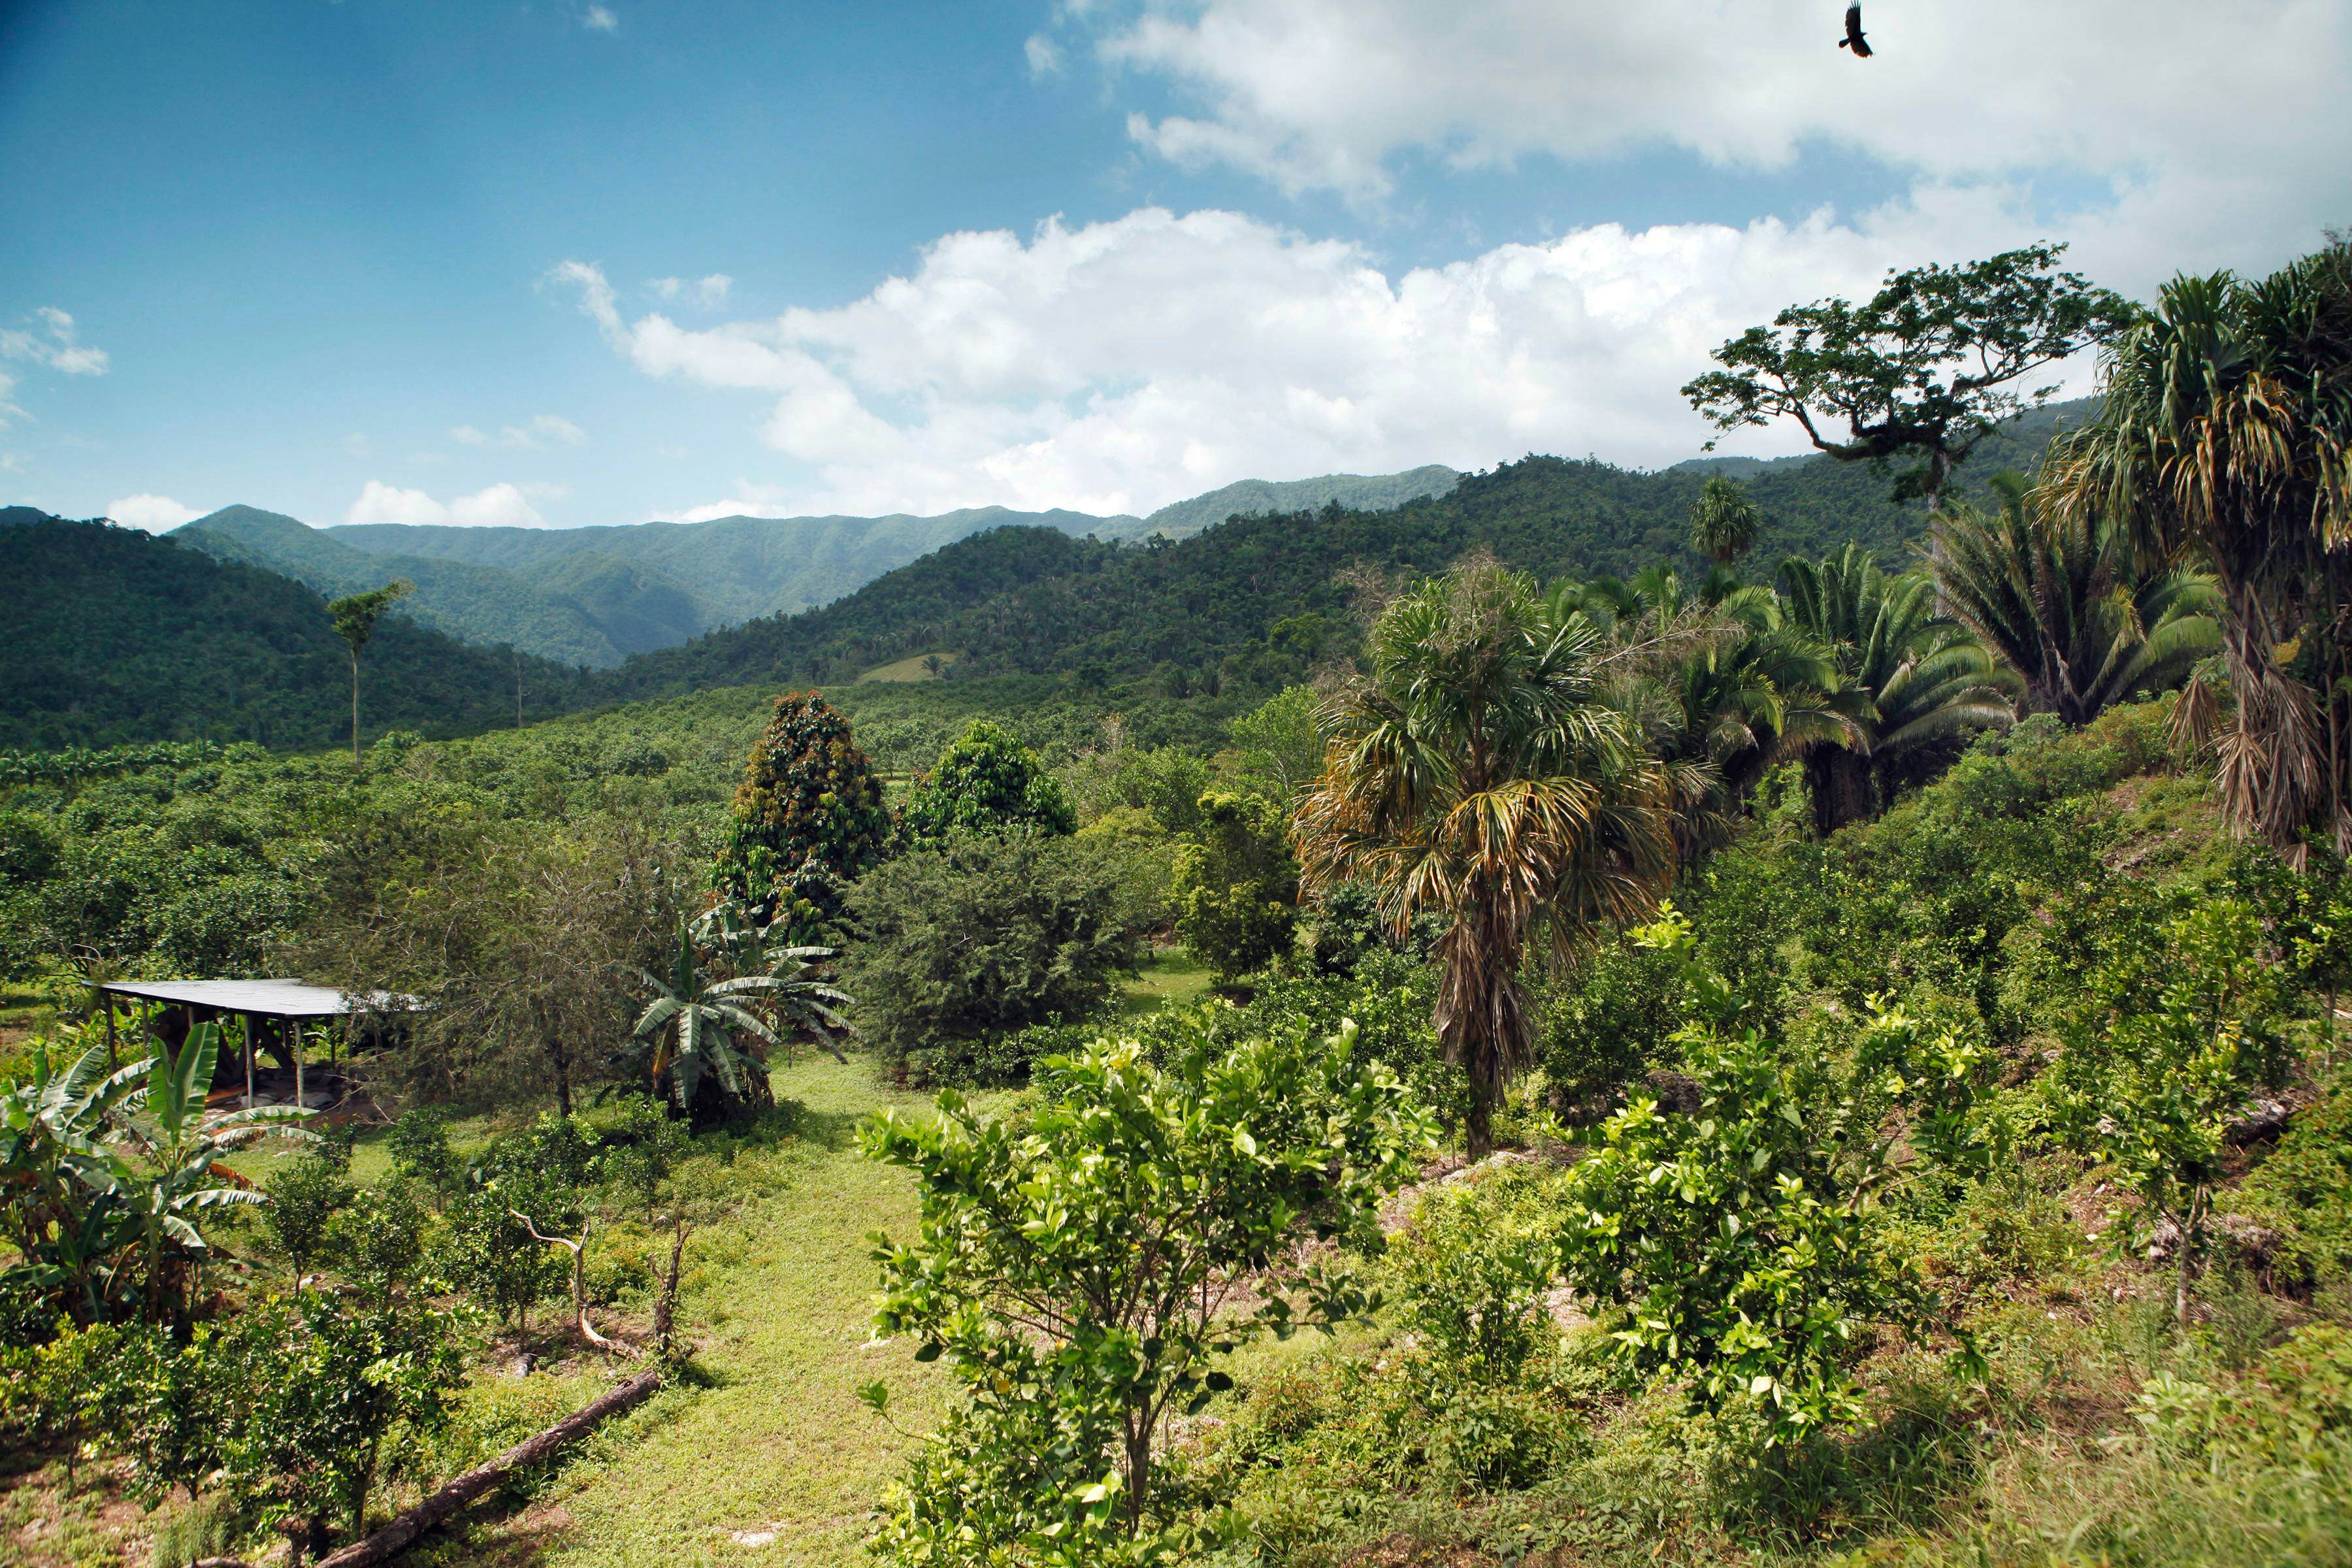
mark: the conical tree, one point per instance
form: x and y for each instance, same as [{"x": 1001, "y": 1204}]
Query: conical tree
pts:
[
  {"x": 808, "y": 819},
  {"x": 1477, "y": 772},
  {"x": 2064, "y": 604}
]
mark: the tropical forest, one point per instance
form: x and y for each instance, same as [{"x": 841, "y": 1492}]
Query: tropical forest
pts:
[{"x": 1140, "y": 925}]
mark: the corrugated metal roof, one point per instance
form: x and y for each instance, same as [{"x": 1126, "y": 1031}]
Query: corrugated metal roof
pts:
[{"x": 268, "y": 998}]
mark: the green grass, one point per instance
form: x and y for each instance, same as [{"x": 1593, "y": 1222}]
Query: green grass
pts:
[
  {"x": 1170, "y": 976},
  {"x": 912, "y": 667},
  {"x": 780, "y": 1296}
]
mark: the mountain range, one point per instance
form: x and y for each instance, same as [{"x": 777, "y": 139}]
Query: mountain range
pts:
[{"x": 593, "y": 596}]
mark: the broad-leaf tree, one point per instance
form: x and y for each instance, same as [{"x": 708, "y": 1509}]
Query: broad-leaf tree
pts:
[
  {"x": 1236, "y": 886},
  {"x": 1081, "y": 1266},
  {"x": 2066, "y": 604},
  {"x": 1924, "y": 369},
  {"x": 2223, "y": 441},
  {"x": 355, "y": 617},
  {"x": 1478, "y": 773},
  {"x": 987, "y": 782}
]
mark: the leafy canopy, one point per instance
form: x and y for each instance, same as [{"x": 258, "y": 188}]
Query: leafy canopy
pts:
[{"x": 987, "y": 782}]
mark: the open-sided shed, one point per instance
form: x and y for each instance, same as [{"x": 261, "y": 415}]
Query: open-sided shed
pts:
[{"x": 293, "y": 1003}]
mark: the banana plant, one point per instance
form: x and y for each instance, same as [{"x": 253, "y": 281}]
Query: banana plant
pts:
[
  {"x": 180, "y": 1144},
  {"x": 693, "y": 1017},
  {"x": 60, "y": 1206}
]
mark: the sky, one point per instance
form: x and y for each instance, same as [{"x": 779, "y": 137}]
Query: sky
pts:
[{"x": 559, "y": 263}]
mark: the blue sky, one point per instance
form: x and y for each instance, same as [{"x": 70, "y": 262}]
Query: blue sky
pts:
[{"x": 379, "y": 260}]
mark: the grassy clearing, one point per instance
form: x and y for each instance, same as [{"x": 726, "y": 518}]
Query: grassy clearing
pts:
[
  {"x": 916, "y": 666},
  {"x": 772, "y": 1459},
  {"x": 1172, "y": 976}
]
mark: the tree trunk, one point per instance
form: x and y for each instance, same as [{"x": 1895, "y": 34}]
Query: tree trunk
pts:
[
  {"x": 355, "y": 708},
  {"x": 562, "y": 1078},
  {"x": 1837, "y": 784}
]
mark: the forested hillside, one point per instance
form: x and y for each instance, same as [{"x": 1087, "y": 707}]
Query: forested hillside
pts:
[
  {"x": 115, "y": 635},
  {"x": 1260, "y": 600}
]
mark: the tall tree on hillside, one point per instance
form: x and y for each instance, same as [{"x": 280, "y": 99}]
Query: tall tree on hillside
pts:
[
  {"x": 808, "y": 820},
  {"x": 1477, "y": 772},
  {"x": 2064, "y": 604},
  {"x": 1723, "y": 521},
  {"x": 1924, "y": 369},
  {"x": 355, "y": 617},
  {"x": 1914, "y": 682},
  {"x": 2224, "y": 440}
]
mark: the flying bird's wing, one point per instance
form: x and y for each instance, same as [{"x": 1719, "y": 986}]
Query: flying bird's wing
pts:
[{"x": 1853, "y": 39}]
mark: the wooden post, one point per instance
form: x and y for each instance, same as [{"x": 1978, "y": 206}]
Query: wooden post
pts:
[
  {"x": 248, "y": 1061},
  {"x": 110, "y": 1027},
  {"x": 295, "y": 1027}
]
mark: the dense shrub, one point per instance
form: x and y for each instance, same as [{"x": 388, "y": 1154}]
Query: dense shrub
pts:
[
  {"x": 1237, "y": 886},
  {"x": 988, "y": 781},
  {"x": 983, "y": 937}
]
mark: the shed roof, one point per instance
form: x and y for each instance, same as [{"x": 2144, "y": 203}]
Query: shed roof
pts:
[{"x": 265, "y": 998}]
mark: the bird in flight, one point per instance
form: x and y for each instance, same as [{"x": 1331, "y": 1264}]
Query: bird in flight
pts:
[{"x": 1853, "y": 39}]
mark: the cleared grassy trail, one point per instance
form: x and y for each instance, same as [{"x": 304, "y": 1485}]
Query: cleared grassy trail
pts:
[{"x": 774, "y": 1460}]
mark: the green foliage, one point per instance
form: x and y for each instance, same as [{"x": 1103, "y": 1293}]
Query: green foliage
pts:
[
  {"x": 1926, "y": 368},
  {"x": 703, "y": 1039},
  {"x": 808, "y": 819},
  {"x": 1277, "y": 746},
  {"x": 198, "y": 649},
  {"x": 987, "y": 782},
  {"x": 641, "y": 1146},
  {"x": 305, "y": 1195},
  {"x": 1236, "y": 886},
  {"x": 1076, "y": 1267},
  {"x": 419, "y": 1146},
  {"x": 983, "y": 937},
  {"x": 2174, "y": 1034},
  {"x": 1736, "y": 1242},
  {"x": 1163, "y": 783},
  {"x": 1723, "y": 521}
]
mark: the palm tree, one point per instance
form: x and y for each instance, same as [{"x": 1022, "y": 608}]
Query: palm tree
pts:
[
  {"x": 355, "y": 617},
  {"x": 1753, "y": 690},
  {"x": 1475, "y": 772},
  {"x": 2063, "y": 604},
  {"x": 1723, "y": 521},
  {"x": 695, "y": 1016},
  {"x": 2223, "y": 439},
  {"x": 1911, "y": 683}
]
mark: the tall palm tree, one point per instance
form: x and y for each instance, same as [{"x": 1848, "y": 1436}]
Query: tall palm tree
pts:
[
  {"x": 1475, "y": 772},
  {"x": 1723, "y": 521},
  {"x": 2223, "y": 440},
  {"x": 2064, "y": 604},
  {"x": 1910, "y": 682},
  {"x": 695, "y": 1016},
  {"x": 355, "y": 617}
]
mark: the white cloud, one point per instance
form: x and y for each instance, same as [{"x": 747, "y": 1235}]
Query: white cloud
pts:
[
  {"x": 1044, "y": 55},
  {"x": 2193, "y": 128},
  {"x": 708, "y": 293},
  {"x": 600, "y": 19},
  {"x": 1121, "y": 365},
  {"x": 152, "y": 512},
  {"x": 541, "y": 430},
  {"x": 748, "y": 498},
  {"x": 53, "y": 341},
  {"x": 499, "y": 506}
]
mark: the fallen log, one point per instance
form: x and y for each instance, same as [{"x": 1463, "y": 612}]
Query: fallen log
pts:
[{"x": 444, "y": 1505}]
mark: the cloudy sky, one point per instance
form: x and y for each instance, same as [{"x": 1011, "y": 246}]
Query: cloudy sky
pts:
[{"x": 475, "y": 261}]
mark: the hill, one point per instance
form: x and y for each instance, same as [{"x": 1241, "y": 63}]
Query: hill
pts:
[
  {"x": 1258, "y": 599},
  {"x": 594, "y": 595},
  {"x": 115, "y": 635}
]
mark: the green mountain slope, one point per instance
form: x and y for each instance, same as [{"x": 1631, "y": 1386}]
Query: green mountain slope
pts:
[
  {"x": 115, "y": 635},
  {"x": 483, "y": 604},
  {"x": 1253, "y": 498},
  {"x": 1258, "y": 599}
]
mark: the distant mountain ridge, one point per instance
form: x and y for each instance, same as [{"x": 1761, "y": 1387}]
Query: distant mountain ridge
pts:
[{"x": 594, "y": 595}]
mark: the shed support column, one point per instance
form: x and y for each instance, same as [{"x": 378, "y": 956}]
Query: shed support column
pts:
[
  {"x": 248, "y": 1060},
  {"x": 110, "y": 1027},
  {"x": 295, "y": 1024}
]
